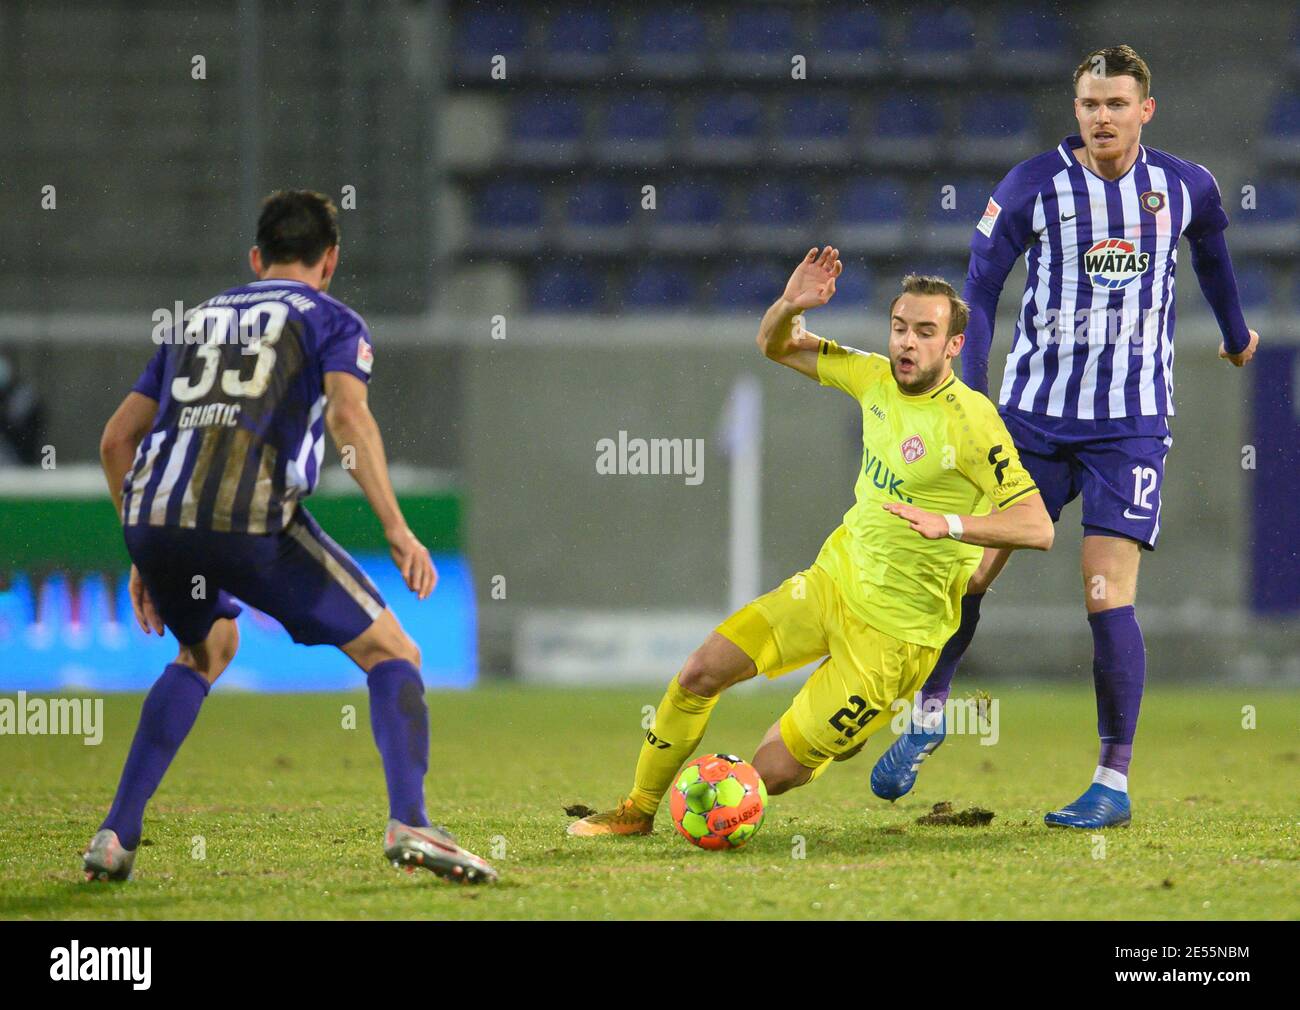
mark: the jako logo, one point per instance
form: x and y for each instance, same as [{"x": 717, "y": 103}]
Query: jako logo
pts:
[
  {"x": 102, "y": 964},
  {"x": 1114, "y": 263}
]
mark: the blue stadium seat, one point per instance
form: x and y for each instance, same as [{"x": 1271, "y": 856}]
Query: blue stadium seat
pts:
[
  {"x": 635, "y": 130},
  {"x": 17, "y": 609},
  {"x": 508, "y": 216},
  {"x": 906, "y": 128},
  {"x": 669, "y": 43},
  {"x": 849, "y": 42},
  {"x": 939, "y": 43},
  {"x": 760, "y": 42},
  {"x": 655, "y": 287},
  {"x": 728, "y": 127},
  {"x": 1030, "y": 43},
  {"x": 951, "y": 209},
  {"x": 566, "y": 287},
  {"x": 815, "y": 128},
  {"x": 579, "y": 44},
  {"x": 996, "y": 129},
  {"x": 689, "y": 216},
  {"x": 547, "y": 129},
  {"x": 748, "y": 285},
  {"x": 779, "y": 215},
  {"x": 481, "y": 35},
  {"x": 853, "y": 290},
  {"x": 1273, "y": 225},
  {"x": 1281, "y": 142},
  {"x": 1254, "y": 284},
  {"x": 598, "y": 216},
  {"x": 872, "y": 214}
]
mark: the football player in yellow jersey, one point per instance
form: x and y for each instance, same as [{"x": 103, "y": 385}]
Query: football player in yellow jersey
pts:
[{"x": 884, "y": 593}]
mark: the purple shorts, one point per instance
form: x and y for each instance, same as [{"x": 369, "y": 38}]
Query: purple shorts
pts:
[
  {"x": 299, "y": 576},
  {"x": 1118, "y": 466}
]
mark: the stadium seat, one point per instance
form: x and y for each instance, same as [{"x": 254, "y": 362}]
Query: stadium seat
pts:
[
  {"x": 994, "y": 129},
  {"x": 939, "y": 42},
  {"x": 670, "y": 43},
  {"x": 1281, "y": 143},
  {"x": 1255, "y": 284},
  {"x": 950, "y": 210},
  {"x": 853, "y": 289},
  {"x": 579, "y": 44},
  {"x": 635, "y": 130},
  {"x": 778, "y": 216},
  {"x": 760, "y": 42},
  {"x": 872, "y": 214},
  {"x": 849, "y": 42},
  {"x": 567, "y": 287},
  {"x": 547, "y": 129},
  {"x": 747, "y": 286},
  {"x": 655, "y": 287},
  {"x": 1273, "y": 224},
  {"x": 814, "y": 128},
  {"x": 481, "y": 35},
  {"x": 598, "y": 216},
  {"x": 1029, "y": 43},
  {"x": 905, "y": 130},
  {"x": 689, "y": 216},
  {"x": 727, "y": 129},
  {"x": 508, "y": 216}
]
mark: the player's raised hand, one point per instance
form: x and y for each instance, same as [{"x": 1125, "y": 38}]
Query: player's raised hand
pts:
[
  {"x": 146, "y": 614},
  {"x": 1241, "y": 357},
  {"x": 813, "y": 282},
  {"x": 929, "y": 524},
  {"x": 412, "y": 559}
]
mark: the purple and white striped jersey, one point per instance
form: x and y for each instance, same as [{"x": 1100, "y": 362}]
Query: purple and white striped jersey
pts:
[
  {"x": 1095, "y": 334},
  {"x": 239, "y": 434}
]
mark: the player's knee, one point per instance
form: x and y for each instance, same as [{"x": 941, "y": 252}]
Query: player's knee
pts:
[
  {"x": 703, "y": 676},
  {"x": 403, "y": 647}
]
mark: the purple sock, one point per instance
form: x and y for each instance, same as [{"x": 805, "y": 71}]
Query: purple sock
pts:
[
  {"x": 935, "y": 691},
  {"x": 1119, "y": 669},
  {"x": 400, "y": 722},
  {"x": 169, "y": 711}
]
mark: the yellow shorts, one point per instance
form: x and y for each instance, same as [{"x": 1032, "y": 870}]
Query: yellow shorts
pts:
[{"x": 852, "y": 693}]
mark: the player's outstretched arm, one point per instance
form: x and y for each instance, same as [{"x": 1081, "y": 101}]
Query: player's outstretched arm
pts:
[
  {"x": 1025, "y": 524},
  {"x": 781, "y": 335},
  {"x": 356, "y": 435}
]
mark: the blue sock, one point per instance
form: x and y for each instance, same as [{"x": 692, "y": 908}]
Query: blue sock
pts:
[
  {"x": 168, "y": 713},
  {"x": 935, "y": 691},
  {"x": 400, "y": 722},
  {"x": 1119, "y": 668}
]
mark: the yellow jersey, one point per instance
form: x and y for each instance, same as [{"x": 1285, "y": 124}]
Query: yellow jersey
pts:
[{"x": 945, "y": 450}]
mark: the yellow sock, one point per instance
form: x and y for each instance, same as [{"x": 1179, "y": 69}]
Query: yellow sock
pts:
[{"x": 678, "y": 729}]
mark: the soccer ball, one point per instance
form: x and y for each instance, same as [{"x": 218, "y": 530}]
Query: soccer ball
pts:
[{"x": 718, "y": 802}]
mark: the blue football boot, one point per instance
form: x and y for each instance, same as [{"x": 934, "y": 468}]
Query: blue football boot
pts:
[
  {"x": 895, "y": 772},
  {"x": 1099, "y": 807}
]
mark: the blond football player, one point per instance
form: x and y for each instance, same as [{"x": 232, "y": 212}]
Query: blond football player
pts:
[{"x": 940, "y": 480}]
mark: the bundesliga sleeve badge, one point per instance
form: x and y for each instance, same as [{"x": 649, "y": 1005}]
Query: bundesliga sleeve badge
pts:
[
  {"x": 365, "y": 355},
  {"x": 989, "y": 219}
]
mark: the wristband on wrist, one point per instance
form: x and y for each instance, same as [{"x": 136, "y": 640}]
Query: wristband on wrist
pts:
[{"x": 954, "y": 526}]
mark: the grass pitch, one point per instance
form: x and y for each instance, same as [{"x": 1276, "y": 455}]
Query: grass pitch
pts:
[{"x": 274, "y": 809}]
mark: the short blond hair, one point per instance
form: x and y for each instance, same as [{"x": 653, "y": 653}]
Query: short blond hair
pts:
[
  {"x": 1116, "y": 61},
  {"x": 918, "y": 284}
]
